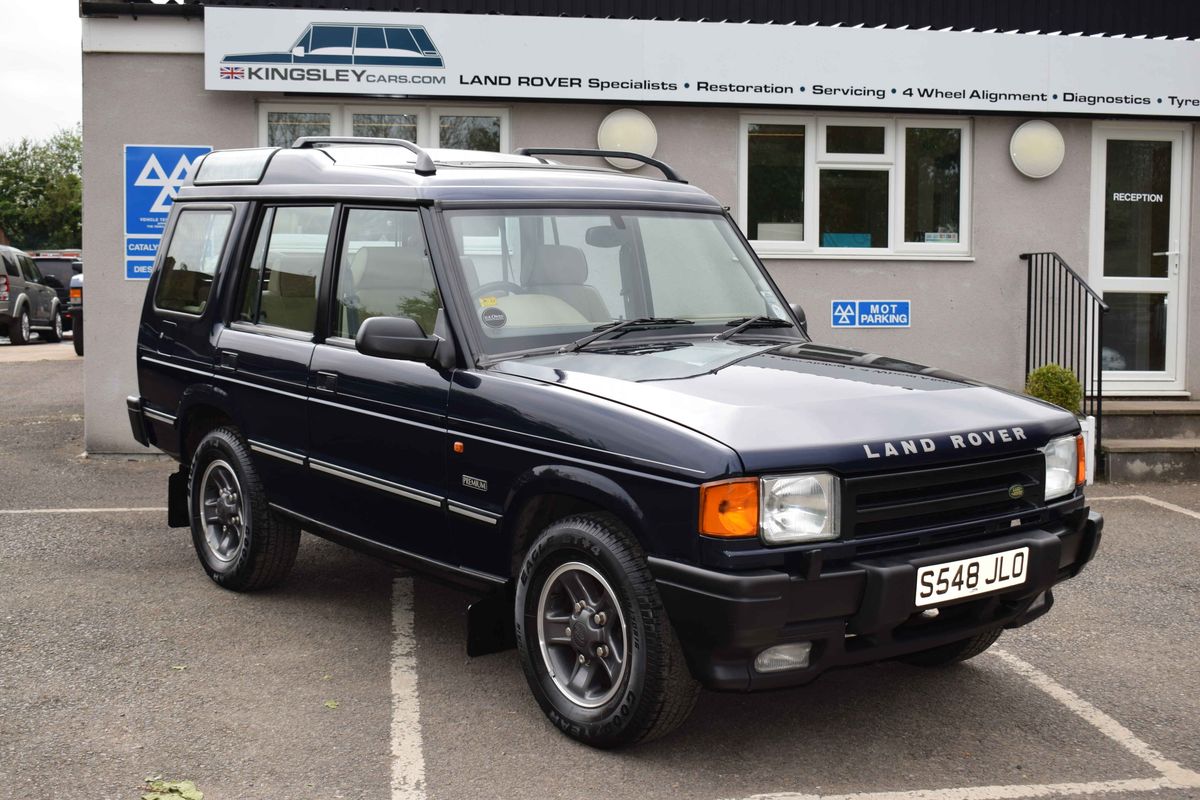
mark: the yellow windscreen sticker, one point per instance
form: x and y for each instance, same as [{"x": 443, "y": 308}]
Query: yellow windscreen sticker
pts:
[{"x": 487, "y": 301}]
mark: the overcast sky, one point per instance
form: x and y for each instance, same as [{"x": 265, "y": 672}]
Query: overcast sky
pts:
[{"x": 40, "y": 74}]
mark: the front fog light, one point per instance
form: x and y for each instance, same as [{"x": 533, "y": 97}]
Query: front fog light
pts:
[
  {"x": 1062, "y": 466},
  {"x": 799, "y": 508},
  {"x": 783, "y": 657}
]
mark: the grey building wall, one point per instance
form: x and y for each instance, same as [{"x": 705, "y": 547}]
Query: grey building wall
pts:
[
  {"x": 127, "y": 99},
  {"x": 968, "y": 316}
]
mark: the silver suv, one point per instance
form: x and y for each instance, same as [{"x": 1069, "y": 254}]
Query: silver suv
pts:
[{"x": 26, "y": 302}]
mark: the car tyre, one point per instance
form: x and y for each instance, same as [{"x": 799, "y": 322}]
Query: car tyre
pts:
[
  {"x": 609, "y": 698},
  {"x": 77, "y": 335},
  {"x": 55, "y": 334},
  {"x": 955, "y": 652},
  {"x": 18, "y": 329},
  {"x": 242, "y": 543}
]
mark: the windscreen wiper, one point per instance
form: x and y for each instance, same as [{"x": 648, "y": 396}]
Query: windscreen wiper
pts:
[
  {"x": 743, "y": 323},
  {"x": 624, "y": 325}
]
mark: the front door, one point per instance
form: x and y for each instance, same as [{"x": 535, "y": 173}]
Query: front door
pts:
[{"x": 1138, "y": 254}]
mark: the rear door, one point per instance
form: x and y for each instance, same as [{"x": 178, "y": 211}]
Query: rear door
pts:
[
  {"x": 263, "y": 354},
  {"x": 41, "y": 296},
  {"x": 378, "y": 426}
]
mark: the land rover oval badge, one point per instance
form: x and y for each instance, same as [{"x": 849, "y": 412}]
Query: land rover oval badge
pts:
[{"x": 1016, "y": 491}]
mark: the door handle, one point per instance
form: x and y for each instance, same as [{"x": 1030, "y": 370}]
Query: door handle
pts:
[
  {"x": 326, "y": 381},
  {"x": 1166, "y": 253}
]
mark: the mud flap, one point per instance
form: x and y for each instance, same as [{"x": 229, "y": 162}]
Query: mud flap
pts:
[
  {"x": 490, "y": 623},
  {"x": 177, "y": 500}
]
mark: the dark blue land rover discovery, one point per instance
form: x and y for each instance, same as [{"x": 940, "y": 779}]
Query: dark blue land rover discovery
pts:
[{"x": 579, "y": 393}]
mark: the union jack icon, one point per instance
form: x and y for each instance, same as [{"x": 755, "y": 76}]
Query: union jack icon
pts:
[{"x": 235, "y": 73}]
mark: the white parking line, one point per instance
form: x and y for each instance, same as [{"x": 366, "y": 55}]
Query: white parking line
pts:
[
  {"x": 1173, "y": 775},
  {"x": 15, "y": 511},
  {"x": 408, "y": 759},
  {"x": 1171, "y": 770},
  {"x": 1152, "y": 501},
  {"x": 988, "y": 792}
]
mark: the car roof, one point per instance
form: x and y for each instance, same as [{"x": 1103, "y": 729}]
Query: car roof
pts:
[{"x": 367, "y": 170}]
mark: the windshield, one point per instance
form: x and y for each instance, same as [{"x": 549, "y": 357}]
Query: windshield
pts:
[{"x": 546, "y": 278}]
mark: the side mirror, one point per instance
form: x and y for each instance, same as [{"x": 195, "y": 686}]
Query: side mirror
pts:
[
  {"x": 77, "y": 267},
  {"x": 298, "y": 51},
  {"x": 395, "y": 337},
  {"x": 801, "y": 317}
]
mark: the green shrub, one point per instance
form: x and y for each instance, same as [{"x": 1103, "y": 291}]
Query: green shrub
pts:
[{"x": 1055, "y": 384}]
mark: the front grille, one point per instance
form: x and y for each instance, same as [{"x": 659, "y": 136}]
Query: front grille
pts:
[{"x": 900, "y": 502}]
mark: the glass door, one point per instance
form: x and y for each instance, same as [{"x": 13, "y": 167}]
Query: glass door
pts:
[{"x": 1137, "y": 259}]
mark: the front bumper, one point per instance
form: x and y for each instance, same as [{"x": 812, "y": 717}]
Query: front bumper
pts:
[{"x": 858, "y": 612}]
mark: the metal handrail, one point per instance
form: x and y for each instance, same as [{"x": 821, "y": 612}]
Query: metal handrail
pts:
[
  {"x": 1063, "y": 263},
  {"x": 1064, "y": 325}
]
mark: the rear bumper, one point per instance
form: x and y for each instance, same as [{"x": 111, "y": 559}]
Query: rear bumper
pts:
[
  {"x": 858, "y": 613},
  {"x": 137, "y": 420}
]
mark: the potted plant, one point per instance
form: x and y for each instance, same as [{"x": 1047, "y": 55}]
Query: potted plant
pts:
[{"x": 1058, "y": 385}]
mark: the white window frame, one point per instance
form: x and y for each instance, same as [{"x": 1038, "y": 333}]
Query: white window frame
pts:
[
  {"x": 342, "y": 119},
  {"x": 892, "y": 160},
  {"x": 767, "y": 248},
  {"x": 963, "y": 245},
  {"x": 888, "y": 156}
]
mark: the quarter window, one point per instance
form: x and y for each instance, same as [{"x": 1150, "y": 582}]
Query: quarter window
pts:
[
  {"x": 384, "y": 271},
  {"x": 191, "y": 259},
  {"x": 285, "y": 269},
  {"x": 846, "y": 185}
]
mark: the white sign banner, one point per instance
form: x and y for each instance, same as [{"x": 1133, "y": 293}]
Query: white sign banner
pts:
[{"x": 490, "y": 57}]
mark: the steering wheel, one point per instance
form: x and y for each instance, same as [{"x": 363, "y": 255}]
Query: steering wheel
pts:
[{"x": 508, "y": 286}]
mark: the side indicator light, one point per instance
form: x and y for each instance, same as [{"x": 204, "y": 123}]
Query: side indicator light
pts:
[{"x": 729, "y": 509}]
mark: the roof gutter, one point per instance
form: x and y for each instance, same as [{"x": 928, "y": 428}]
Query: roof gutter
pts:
[{"x": 138, "y": 8}]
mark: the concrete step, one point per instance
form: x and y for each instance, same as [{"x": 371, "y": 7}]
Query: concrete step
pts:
[
  {"x": 1151, "y": 419},
  {"x": 1152, "y": 460}
]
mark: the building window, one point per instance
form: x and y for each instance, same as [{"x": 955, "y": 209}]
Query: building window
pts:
[
  {"x": 458, "y": 128},
  {"x": 463, "y": 132},
  {"x": 386, "y": 126},
  {"x": 285, "y": 127},
  {"x": 847, "y": 186}
]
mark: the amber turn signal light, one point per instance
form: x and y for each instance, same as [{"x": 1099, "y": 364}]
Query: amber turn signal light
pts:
[
  {"x": 1081, "y": 466},
  {"x": 729, "y": 509}
]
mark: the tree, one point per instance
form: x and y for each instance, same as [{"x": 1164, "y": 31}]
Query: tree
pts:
[{"x": 41, "y": 192}]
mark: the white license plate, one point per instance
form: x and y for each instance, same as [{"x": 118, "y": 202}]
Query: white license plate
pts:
[{"x": 954, "y": 579}]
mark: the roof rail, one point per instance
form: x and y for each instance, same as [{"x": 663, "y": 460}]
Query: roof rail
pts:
[
  {"x": 425, "y": 165},
  {"x": 668, "y": 172}
]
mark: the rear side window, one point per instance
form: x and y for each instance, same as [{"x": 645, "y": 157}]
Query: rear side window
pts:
[
  {"x": 285, "y": 268},
  {"x": 192, "y": 258},
  {"x": 384, "y": 271},
  {"x": 10, "y": 265},
  {"x": 30, "y": 269}
]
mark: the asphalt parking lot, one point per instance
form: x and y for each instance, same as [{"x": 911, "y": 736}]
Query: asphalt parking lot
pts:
[{"x": 119, "y": 660}]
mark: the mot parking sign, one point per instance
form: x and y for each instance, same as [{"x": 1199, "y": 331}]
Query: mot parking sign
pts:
[
  {"x": 871, "y": 313},
  {"x": 153, "y": 175}
]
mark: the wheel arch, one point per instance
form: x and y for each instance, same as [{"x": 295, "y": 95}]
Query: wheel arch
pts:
[
  {"x": 551, "y": 492},
  {"x": 202, "y": 408}
]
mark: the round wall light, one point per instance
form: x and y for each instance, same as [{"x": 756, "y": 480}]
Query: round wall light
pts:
[
  {"x": 1037, "y": 149},
  {"x": 629, "y": 130}
]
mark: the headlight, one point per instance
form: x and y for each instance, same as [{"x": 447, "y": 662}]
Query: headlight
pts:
[
  {"x": 1063, "y": 472},
  {"x": 799, "y": 508}
]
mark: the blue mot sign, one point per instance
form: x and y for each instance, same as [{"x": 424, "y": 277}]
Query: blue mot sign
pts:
[
  {"x": 871, "y": 313},
  {"x": 153, "y": 175}
]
